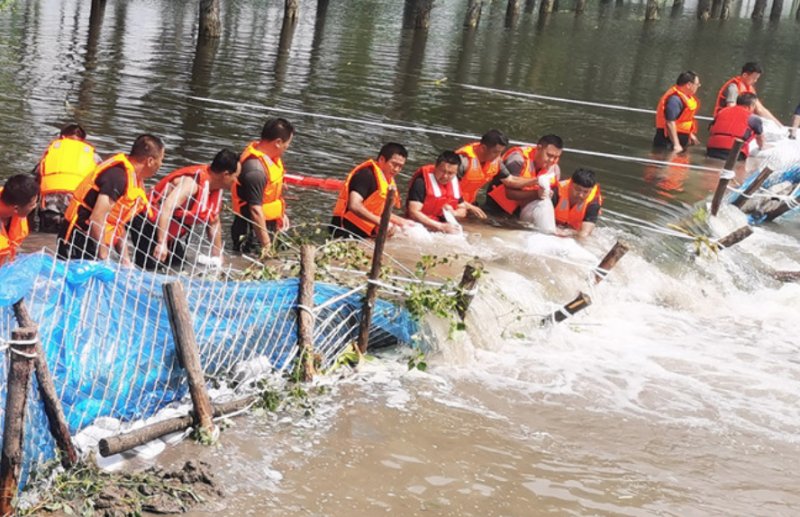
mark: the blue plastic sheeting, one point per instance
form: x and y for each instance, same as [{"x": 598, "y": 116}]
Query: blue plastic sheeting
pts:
[
  {"x": 792, "y": 175},
  {"x": 108, "y": 341}
]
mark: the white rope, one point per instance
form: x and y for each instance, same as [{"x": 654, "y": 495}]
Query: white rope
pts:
[
  {"x": 564, "y": 100},
  {"x": 308, "y": 309},
  {"x": 339, "y": 298},
  {"x": 26, "y": 342},
  {"x": 417, "y": 129},
  {"x": 726, "y": 174}
]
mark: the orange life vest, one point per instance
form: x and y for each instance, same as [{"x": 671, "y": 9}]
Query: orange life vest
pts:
[
  {"x": 730, "y": 124},
  {"x": 722, "y": 96},
  {"x": 272, "y": 203},
  {"x": 436, "y": 196},
  {"x": 477, "y": 175},
  {"x": 685, "y": 123},
  {"x": 12, "y": 237},
  {"x": 132, "y": 201},
  {"x": 64, "y": 164},
  {"x": 375, "y": 202},
  {"x": 202, "y": 207},
  {"x": 572, "y": 216},
  {"x": 498, "y": 193}
]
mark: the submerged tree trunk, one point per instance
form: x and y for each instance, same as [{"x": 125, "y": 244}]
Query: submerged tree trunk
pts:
[
  {"x": 725, "y": 13},
  {"x": 651, "y": 12},
  {"x": 417, "y": 14},
  {"x": 797, "y": 14},
  {"x": 290, "y": 11},
  {"x": 210, "y": 26},
  {"x": 704, "y": 10},
  {"x": 529, "y": 5},
  {"x": 512, "y": 13},
  {"x": 580, "y": 6},
  {"x": 546, "y": 7},
  {"x": 716, "y": 7},
  {"x": 776, "y": 11},
  {"x": 758, "y": 9},
  {"x": 473, "y": 15}
]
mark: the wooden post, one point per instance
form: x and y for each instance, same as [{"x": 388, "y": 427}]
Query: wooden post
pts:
[
  {"x": 473, "y": 15},
  {"x": 466, "y": 289},
  {"x": 725, "y": 176},
  {"x": 305, "y": 306},
  {"x": 210, "y": 25},
  {"x": 758, "y": 10},
  {"x": 783, "y": 207},
  {"x": 735, "y": 237},
  {"x": 745, "y": 196},
  {"x": 512, "y": 13},
  {"x": 610, "y": 260},
  {"x": 578, "y": 304},
  {"x": 290, "y": 11},
  {"x": 20, "y": 364},
  {"x": 776, "y": 10},
  {"x": 546, "y": 7},
  {"x": 180, "y": 319},
  {"x": 127, "y": 441},
  {"x": 47, "y": 392},
  {"x": 651, "y": 11},
  {"x": 375, "y": 272}
]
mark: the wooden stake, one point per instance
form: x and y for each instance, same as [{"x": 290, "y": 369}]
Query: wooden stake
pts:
[
  {"x": 466, "y": 290},
  {"x": 787, "y": 276},
  {"x": 20, "y": 365},
  {"x": 578, "y": 304},
  {"x": 375, "y": 272},
  {"x": 735, "y": 237},
  {"x": 188, "y": 354},
  {"x": 305, "y": 305},
  {"x": 47, "y": 392},
  {"x": 610, "y": 260},
  {"x": 745, "y": 196},
  {"x": 783, "y": 207},
  {"x": 127, "y": 441},
  {"x": 725, "y": 176}
]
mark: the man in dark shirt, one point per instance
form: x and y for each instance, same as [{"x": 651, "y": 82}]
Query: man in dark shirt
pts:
[
  {"x": 257, "y": 196},
  {"x": 676, "y": 127},
  {"x": 106, "y": 200}
]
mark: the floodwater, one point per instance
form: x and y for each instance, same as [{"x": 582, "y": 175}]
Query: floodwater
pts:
[{"x": 676, "y": 393}]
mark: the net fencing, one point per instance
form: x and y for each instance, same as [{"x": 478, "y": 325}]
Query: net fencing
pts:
[{"x": 107, "y": 339}]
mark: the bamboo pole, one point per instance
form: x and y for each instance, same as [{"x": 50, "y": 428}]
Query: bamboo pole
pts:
[
  {"x": 47, "y": 392},
  {"x": 580, "y": 302},
  {"x": 466, "y": 290},
  {"x": 127, "y": 441},
  {"x": 473, "y": 15},
  {"x": 305, "y": 307},
  {"x": 735, "y": 237},
  {"x": 725, "y": 176},
  {"x": 20, "y": 364},
  {"x": 610, "y": 260},
  {"x": 375, "y": 272},
  {"x": 745, "y": 196},
  {"x": 180, "y": 320}
]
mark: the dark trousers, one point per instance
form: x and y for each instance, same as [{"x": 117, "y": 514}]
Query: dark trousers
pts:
[
  {"x": 78, "y": 246},
  {"x": 142, "y": 233},
  {"x": 244, "y": 236},
  {"x": 663, "y": 141}
]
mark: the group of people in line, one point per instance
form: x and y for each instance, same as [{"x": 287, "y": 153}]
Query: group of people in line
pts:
[
  {"x": 97, "y": 206},
  {"x": 738, "y": 114}
]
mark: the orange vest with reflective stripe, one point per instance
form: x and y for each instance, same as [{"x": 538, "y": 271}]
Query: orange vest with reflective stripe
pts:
[
  {"x": 64, "y": 164},
  {"x": 722, "y": 96},
  {"x": 498, "y": 193},
  {"x": 375, "y": 202},
  {"x": 437, "y": 196},
  {"x": 729, "y": 124},
  {"x": 132, "y": 201},
  {"x": 685, "y": 122},
  {"x": 477, "y": 175},
  {"x": 572, "y": 216},
  {"x": 202, "y": 207},
  {"x": 272, "y": 203},
  {"x": 12, "y": 237}
]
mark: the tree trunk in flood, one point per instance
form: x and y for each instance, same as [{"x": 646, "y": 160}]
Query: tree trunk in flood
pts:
[
  {"x": 473, "y": 15},
  {"x": 580, "y": 6},
  {"x": 651, "y": 13},
  {"x": 704, "y": 10},
  {"x": 546, "y": 7},
  {"x": 726, "y": 10},
  {"x": 716, "y": 7},
  {"x": 291, "y": 7},
  {"x": 512, "y": 13},
  {"x": 529, "y": 5},
  {"x": 758, "y": 10},
  {"x": 210, "y": 26},
  {"x": 776, "y": 11},
  {"x": 417, "y": 14},
  {"x": 797, "y": 15}
]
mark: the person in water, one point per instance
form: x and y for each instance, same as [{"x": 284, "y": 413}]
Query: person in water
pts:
[
  {"x": 743, "y": 83},
  {"x": 676, "y": 127},
  {"x": 433, "y": 191},
  {"x": 577, "y": 203},
  {"x": 736, "y": 122},
  {"x": 363, "y": 196},
  {"x": 18, "y": 198},
  {"x": 795, "y": 123}
]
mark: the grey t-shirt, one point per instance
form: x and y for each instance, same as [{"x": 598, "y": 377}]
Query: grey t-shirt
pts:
[{"x": 731, "y": 94}]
